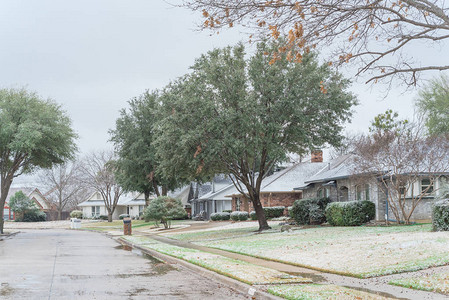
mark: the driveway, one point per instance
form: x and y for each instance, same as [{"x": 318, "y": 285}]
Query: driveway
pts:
[{"x": 67, "y": 264}]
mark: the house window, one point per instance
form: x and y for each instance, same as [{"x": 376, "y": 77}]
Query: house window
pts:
[
  {"x": 358, "y": 192},
  {"x": 141, "y": 208},
  {"x": 322, "y": 193},
  {"x": 237, "y": 204},
  {"x": 426, "y": 186},
  {"x": 402, "y": 191},
  {"x": 95, "y": 211},
  {"x": 343, "y": 193},
  {"x": 6, "y": 215},
  {"x": 362, "y": 192}
]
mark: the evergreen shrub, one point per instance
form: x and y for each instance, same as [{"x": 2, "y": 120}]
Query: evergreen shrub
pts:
[
  {"x": 309, "y": 211},
  {"x": 273, "y": 212},
  {"x": 351, "y": 213},
  {"x": 440, "y": 215},
  {"x": 220, "y": 216}
]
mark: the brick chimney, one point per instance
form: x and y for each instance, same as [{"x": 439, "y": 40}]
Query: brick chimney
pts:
[{"x": 317, "y": 156}]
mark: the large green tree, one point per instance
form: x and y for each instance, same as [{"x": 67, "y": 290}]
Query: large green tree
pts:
[
  {"x": 34, "y": 133},
  {"x": 20, "y": 203},
  {"x": 242, "y": 116},
  {"x": 433, "y": 101},
  {"x": 133, "y": 138}
]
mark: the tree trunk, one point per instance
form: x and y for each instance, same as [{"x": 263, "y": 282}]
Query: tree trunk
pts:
[
  {"x": 110, "y": 217},
  {"x": 5, "y": 184},
  {"x": 59, "y": 214},
  {"x": 164, "y": 190},
  {"x": 156, "y": 188},
  {"x": 263, "y": 224},
  {"x": 147, "y": 198}
]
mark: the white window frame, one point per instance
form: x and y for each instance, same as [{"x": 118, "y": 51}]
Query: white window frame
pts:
[
  {"x": 425, "y": 186},
  {"x": 95, "y": 211}
]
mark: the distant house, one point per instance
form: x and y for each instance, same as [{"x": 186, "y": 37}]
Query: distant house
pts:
[
  {"x": 34, "y": 194},
  {"x": 338, "y": 181},
  {"x": 214, "y": 201},
  {"x": 210, "y": 197},
  {"x": 94, "y": 206},
  {"x": 278, "y": 189},
  {"x": 132, "y": 204}
]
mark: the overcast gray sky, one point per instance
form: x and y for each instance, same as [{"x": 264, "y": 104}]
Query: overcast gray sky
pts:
[{"x": 93, "y": 56}]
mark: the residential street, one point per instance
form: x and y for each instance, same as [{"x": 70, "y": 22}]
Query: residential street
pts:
[{"x": 64, "y": 264}]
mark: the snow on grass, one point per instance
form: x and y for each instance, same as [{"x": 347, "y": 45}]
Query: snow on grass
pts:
[
  {"x": 320, "y": 292},
  {"x": 228, "y": 231},
  {"x": 233, "y": 268},
  {"x": 435, "y": 283},
  {"x": 356, "y": 251}
]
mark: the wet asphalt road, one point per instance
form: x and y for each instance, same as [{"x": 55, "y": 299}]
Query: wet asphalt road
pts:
[{"x": 67, "y": 264}]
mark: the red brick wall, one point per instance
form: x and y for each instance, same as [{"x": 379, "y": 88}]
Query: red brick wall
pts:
[{"x": 269, "y": 200}]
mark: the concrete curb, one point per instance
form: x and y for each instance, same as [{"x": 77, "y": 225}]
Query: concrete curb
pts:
[
  {"x": 8, "y": 234},
  {"x": 241, "y": 287}
]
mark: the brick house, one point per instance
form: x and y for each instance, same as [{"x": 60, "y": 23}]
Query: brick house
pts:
[
  {"x": 34, "y": 194},
  {"x": 278, "y": 188}
]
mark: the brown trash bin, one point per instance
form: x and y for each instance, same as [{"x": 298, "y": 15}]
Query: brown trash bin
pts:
[{"x": 127, "y": 226}]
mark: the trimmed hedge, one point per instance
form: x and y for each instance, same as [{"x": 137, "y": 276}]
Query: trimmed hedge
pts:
[
  {"x": 76, "y": 214},
  {"x": 309, "y": 211},
  {"x": 253, "y": 215},
  {"x": 274, "y": 212},
  {"x": 34, "y": 216},
  {"x": 239, "y": 216},
  {"x": 220, "y": 216},
  {"x": 351, "y": 213},
  {"x": 440, "y": 215}
]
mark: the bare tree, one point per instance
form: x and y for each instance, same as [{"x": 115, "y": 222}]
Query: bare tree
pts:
[
  {"x": 64, "y": 186},
  {"x": 376, "y": 35},
  {"x": 399, "y": 160},
  {"x": 99, "y": 171}
]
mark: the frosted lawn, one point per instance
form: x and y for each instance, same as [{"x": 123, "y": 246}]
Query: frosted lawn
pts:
[
  {"x": 356, "y": 251},
  {"x": 233, "y": 268},
  {"x": 435, "y": 283},
  {"x": 320, "y": 292}
]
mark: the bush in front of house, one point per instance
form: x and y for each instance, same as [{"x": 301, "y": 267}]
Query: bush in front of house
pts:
[
  {"x": 220, "y": 216},
  {"x": 290, "y": 212},
  {"x": 239, "y": 216},
  {"x": 243, "y": 216},
  {"x": 122, "y": 216},
  {"x": 103, "y": 217},
  {"x": 440, "y": 215},
  {"x": 253, "y": 215},
  {"x": 34, "y": 216},
  {"x": 235, "y": 215},
  {"x": 76, "y": 214},
  {"x": 227, "y": 210},
  {"x": 309, "y": 211},
  {"x": 273, "y": 212},
  {"x": 351, "y": 213}
]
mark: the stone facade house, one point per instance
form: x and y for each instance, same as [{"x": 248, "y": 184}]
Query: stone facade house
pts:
[{"x": 338, "y": 181}]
